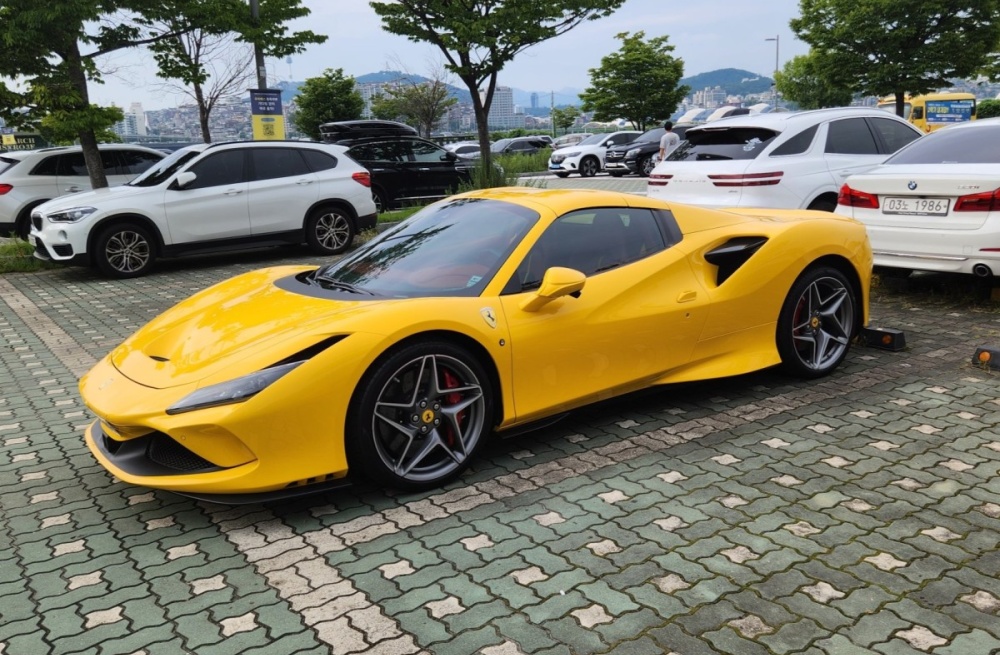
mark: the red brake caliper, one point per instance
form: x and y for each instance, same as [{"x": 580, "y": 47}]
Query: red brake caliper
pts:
[{"x": 451, "y": 382}]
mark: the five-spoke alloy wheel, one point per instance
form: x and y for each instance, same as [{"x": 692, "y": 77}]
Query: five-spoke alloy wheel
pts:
[
  {"x": 420, "y": 415},
  {"x": 817, "y": 323}
]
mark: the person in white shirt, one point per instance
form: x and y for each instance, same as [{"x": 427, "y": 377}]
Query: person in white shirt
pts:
[{"x": 668, "y": 141}]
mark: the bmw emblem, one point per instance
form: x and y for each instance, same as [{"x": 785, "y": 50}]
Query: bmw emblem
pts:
[{"x": 911, "y": 185}]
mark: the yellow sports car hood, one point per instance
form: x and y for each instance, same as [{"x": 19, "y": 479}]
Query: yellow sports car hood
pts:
[{"x": 238, "y": 326}]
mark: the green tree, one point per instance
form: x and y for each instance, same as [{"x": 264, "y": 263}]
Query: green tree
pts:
[
  {"x": 479, "y": 37},
  {"x": 563, "y": 118},
  {"x": 802, "y": 82},
  {"x": 420, "y": 104},
  {"x": 330, "y": 97},
  {"x": 638, "y": 83},
  {"x": 988, "y": 108},
  {"x": 881, "y": 47}
]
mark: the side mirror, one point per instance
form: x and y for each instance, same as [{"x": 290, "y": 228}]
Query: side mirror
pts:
[
  {"x": 184, "y": 179},
  {"x": 449, "y": 156},
  {"x": 556, "y": 283}
]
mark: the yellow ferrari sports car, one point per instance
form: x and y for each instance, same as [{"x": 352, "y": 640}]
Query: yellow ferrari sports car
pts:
[{"x": 483, "y": 313}]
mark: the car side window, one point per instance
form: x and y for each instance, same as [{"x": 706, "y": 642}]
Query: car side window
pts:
[
  {"x": 135, "y": 161},
  {"x": 72, "y": 164},
  {"x": 591, "y": 241},
  {"x": 427, "y": 152},
  {"x": 48, "y": 166},
  {"x": 218, "y": 169},
  {"x": 894, "y": 134},
  {"x": 271, "y": 163},
  {"x": 319, "y": 161},
  {"x": 850, "y": 136},
  {"x": 797, "y": 144},
  {"x": 109, "y": 159}
]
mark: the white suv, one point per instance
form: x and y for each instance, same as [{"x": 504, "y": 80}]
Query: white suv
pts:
[
  {"x": 30, "y": 177},
  {"x": 211, "y": 197},
  {"x": 783, "y": 160},
  {"x": 587, "y": 157}
]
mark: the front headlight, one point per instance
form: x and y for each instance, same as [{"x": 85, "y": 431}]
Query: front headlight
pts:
[
  {"x": 634, "y": 152},
  {"x": 71, "y": 215},
  {"x": 575, "y": 153},
  {"x": 233, "y": 391}
]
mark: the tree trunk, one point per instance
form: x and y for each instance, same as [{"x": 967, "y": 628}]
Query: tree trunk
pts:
[
  {"x": 203, "y": 113},
  {"x": 481, "y": 111},
  {"x": 88, "y": 140}
]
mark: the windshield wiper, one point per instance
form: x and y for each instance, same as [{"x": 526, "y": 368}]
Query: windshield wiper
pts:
[{"x": 328, "y": 282}]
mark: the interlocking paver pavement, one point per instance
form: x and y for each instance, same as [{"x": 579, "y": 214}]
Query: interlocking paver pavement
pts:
[{"x": 859, "y": 513}]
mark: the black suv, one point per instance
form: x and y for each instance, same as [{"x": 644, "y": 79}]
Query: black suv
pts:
[
  {"x": 406, "y": 169},
  {"x": 637, "y": 156}
]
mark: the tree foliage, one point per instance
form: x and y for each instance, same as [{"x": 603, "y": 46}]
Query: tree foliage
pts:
[
  {"x": 563, "y": 118},
  {"x": 802, "y": 82},
  {"x": 330, "y": 97},
  {"x": 989, "y": 108},
  {"x": 881, "y": 47},
  {"x": 479, "y": 37},
  {"x": 638, "y": 83},
  {"x": 420, "y": 104}
]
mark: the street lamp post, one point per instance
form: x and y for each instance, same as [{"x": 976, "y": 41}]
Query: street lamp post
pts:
[{"x": 775, "y": 38}]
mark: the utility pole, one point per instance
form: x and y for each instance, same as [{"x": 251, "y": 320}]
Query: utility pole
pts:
[{"x": 258, "y": 54}]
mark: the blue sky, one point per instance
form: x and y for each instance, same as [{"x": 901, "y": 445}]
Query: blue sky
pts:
[{"x": 707, "y": 35}]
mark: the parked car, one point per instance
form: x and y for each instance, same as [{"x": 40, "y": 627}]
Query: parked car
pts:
[
  {"x": 587, "y": 157},
  {"x": 569, "y": 139},
  {"x": 30, "y": 177},
  {"x": 484, "y": 312},
  {"x": 210, "y": 197},
  {"x": 465, "y": 149},
  {"x": 935, "y": 204},
  {"x": 405, "y": 168},
  {"x": 781, "y": 160},
  {"x": 520, "y": 145},
  {"x": 639, "y": 156}
]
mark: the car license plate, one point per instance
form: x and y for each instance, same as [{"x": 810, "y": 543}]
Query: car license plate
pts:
[{"x": 915, "y": 206}]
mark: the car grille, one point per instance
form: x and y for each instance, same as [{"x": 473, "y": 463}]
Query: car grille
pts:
[
  {"x": 612, "y": 155},
  {"x": 168, "y": 453},
  {"x": 558, "y": 159}
]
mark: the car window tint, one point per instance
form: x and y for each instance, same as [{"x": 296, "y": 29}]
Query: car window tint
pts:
[
  {"x": 319, "y": 161},
  {"x": 797, "y": 144},
  {"x": 271, "y": 163},
  {"x": 592, "y": 241},
  {"x": 728, "y": 143},
  {"x": 218, "y": 169},
  {"x": 971, "y": 145},
  {"x": 136, "y": 161},
  {"x": 109, "y": 159},
  {"x": 393, "y": 151},
  {"x": 48, "y": 166},
  {"x": 894, "y": 134},
  {"x": 427, "y": 152},
  {"x": 850, "y": 136},
  {"x": 72, "y": 164}
]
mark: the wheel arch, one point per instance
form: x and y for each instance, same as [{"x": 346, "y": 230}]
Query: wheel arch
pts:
[
  {"x": 339, "y": 203},
  {"x": 139, "y": 219},
  {"x": 827, "y": 197},
  {"x": 23, "y": 217}
]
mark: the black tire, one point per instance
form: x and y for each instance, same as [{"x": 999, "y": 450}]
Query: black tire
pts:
[
  {"x": 562, "y": 174},
  {"x": 124, "y": 250},
  {"x": 419, "y": 416},
  {"x": 646, "y": 166},
  {"x": 589, "y": 166},
  {"x": 816, "y": 323},
  {"x": 381, "y": 200},
  {"x": 329, "y": 230}
]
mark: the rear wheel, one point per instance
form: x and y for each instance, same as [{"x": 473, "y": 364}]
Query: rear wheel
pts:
[
  {"x": 824, "y": 204},
  {"x": 329, "y": 230},
  {"x": 816, "y": 323},
  {"x": 646, "y": 166},
  {"x": 589, "y": 167},
  {"x": 420, "y": 415},
  {"x": 381, "y": 201},
  {"x": 124, "y": 250}
]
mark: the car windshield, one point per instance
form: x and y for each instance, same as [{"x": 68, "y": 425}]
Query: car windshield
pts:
[
  {"x": 161, "y": 172},
  {"x": 451, "y": 248},
  {"x": 593, "y": 140},
  {"x": 654, "y": 134},
  {"x": 728, "y": 143},
  {"x": 498, "y": 146},
  {"x": 972, "y": 145}
]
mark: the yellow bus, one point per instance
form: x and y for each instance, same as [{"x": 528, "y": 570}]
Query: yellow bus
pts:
[{"x": 932, "y": 111}]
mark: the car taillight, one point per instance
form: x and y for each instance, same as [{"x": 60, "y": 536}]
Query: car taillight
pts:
[
  {"x": 749, "y": 179},
  {"x": 5, "y": 188},
  {"x": 659, "y": 179},
  {"x": 854, "y": 198},
  {"x": 363, "y": 178},
  {"x": 978, "y": 202}
]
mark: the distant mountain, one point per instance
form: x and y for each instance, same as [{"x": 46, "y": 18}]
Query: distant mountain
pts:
[
  {"x": 396, "y": 76},
  {"x": 734, "y": 80}
]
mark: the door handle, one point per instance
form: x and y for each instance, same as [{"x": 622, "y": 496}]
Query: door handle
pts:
[
  {"x": 74, "y": 189},
  {"x": 304, "y": 182},
  {"x": 233, "y": 192}
]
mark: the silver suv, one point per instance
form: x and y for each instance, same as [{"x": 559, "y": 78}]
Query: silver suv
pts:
[{"x": 30, "y": 177}]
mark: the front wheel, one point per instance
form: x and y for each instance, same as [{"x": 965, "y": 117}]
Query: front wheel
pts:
[
  {"x": 329, "y": 231},
  {"x": 419, "y": 416},
  {"x": 646, "y": 166},
  {"x": 124, "y": 251},
  {"x": 816, "y": 323},
  {"x": 589, "y": 167}
]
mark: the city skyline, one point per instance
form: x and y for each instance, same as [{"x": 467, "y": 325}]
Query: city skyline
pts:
[{"x": 358, "y": 45}]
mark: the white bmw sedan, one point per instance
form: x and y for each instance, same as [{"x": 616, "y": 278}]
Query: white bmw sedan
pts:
[{"x": 935, "y": 204}]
